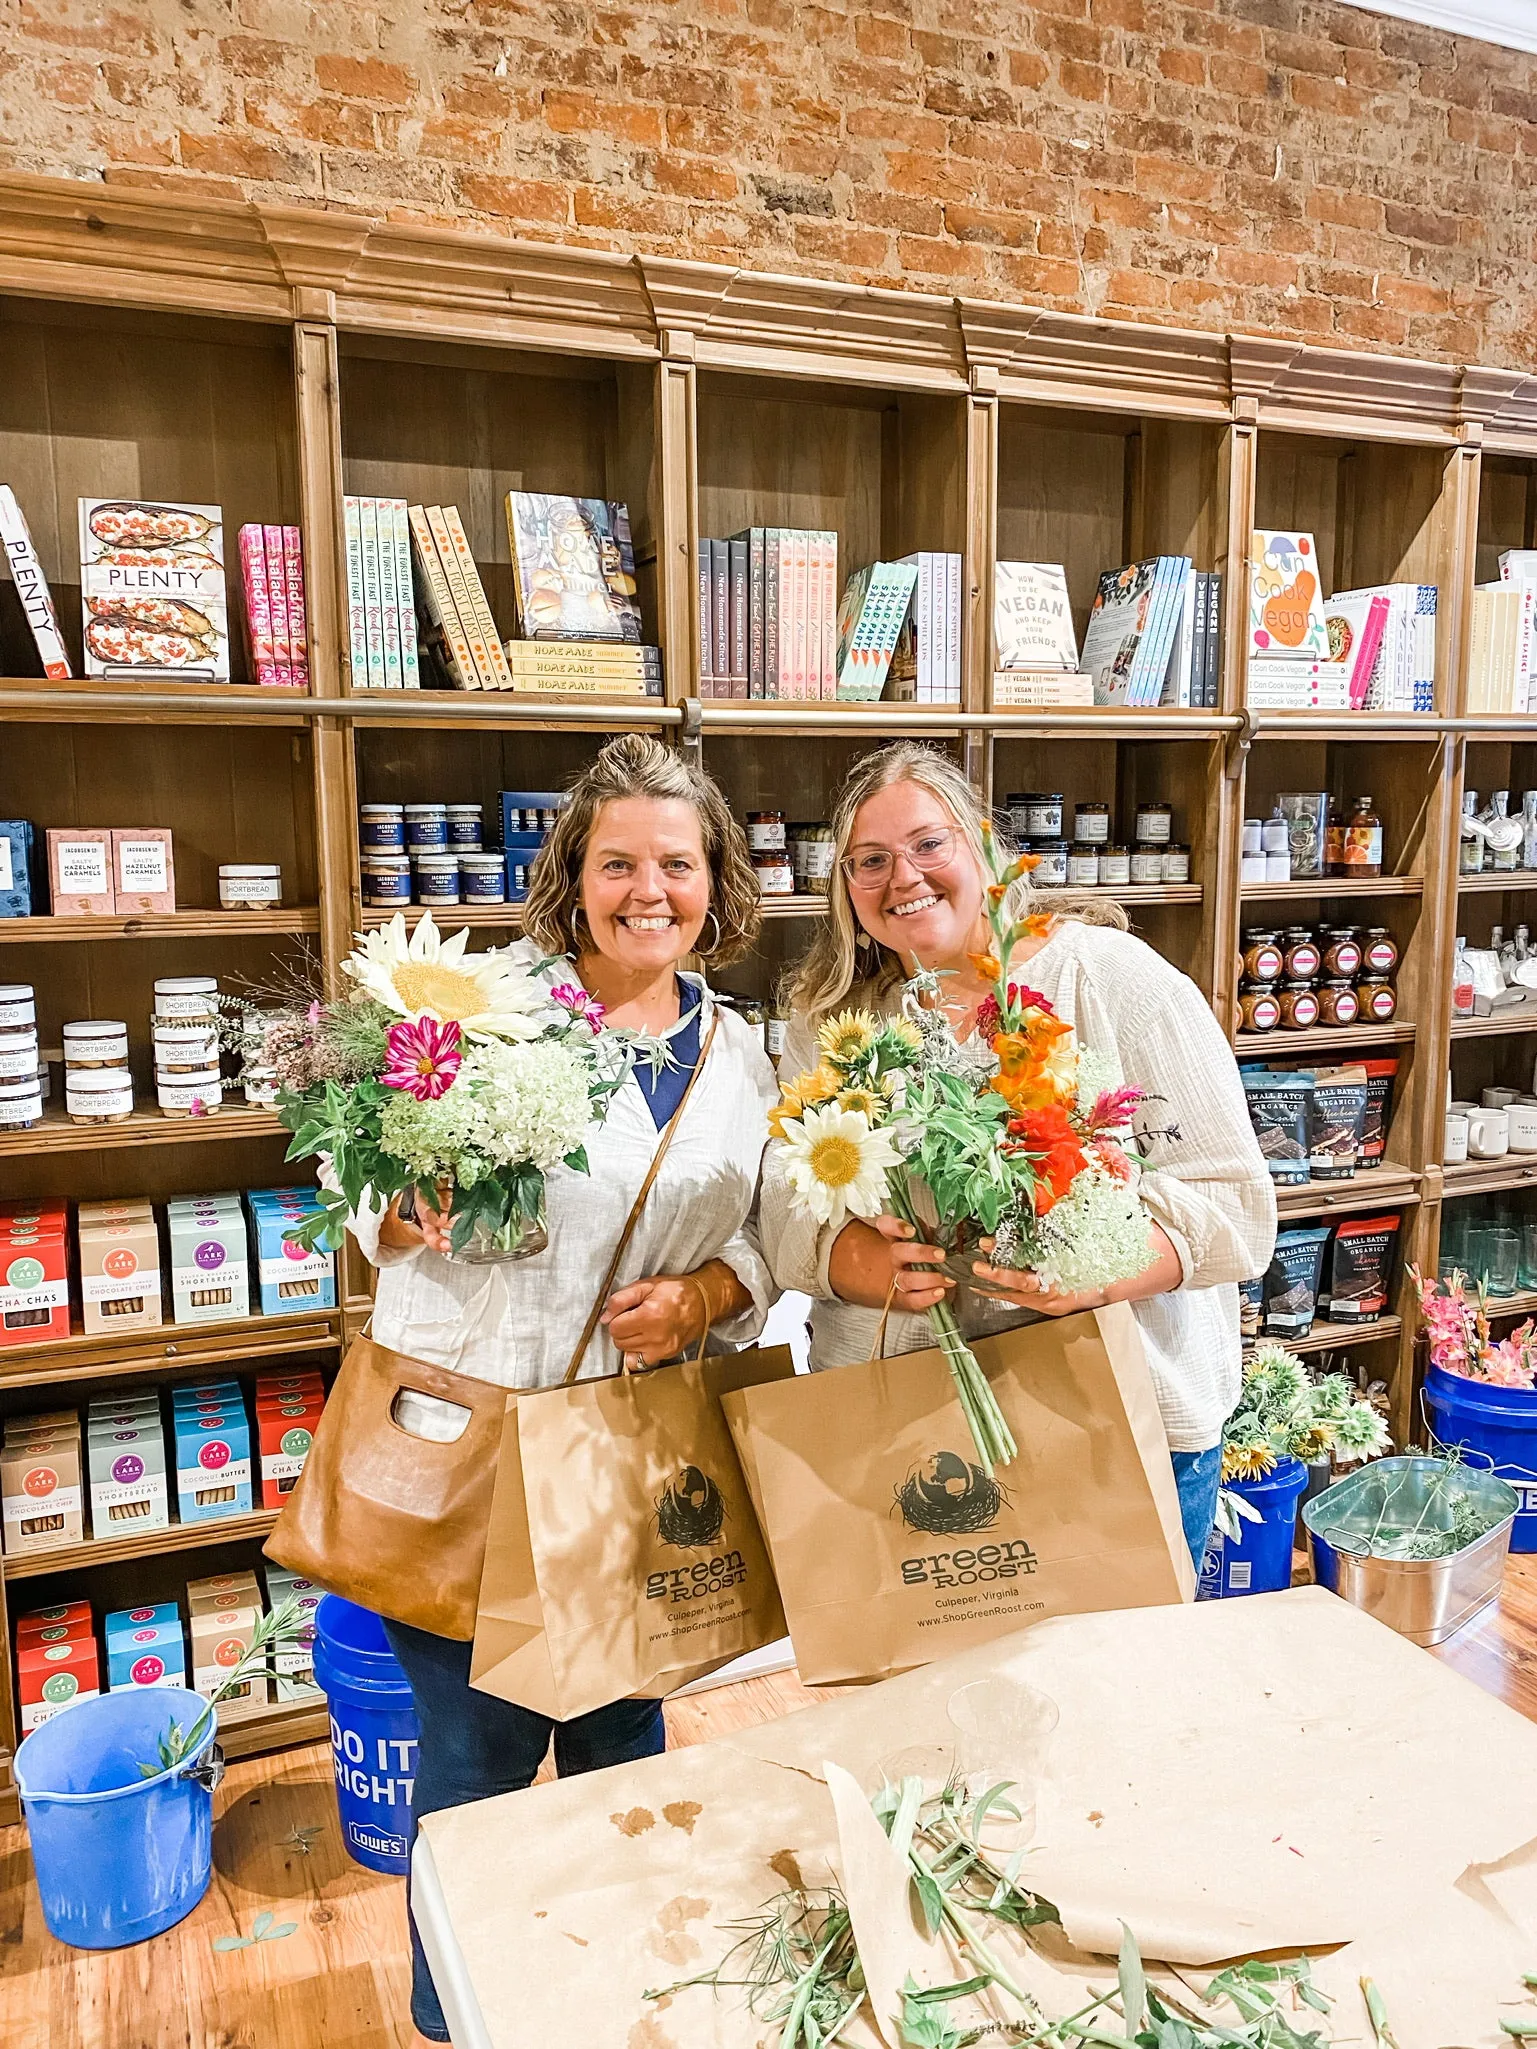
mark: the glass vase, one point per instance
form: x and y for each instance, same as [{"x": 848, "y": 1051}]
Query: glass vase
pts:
[{"x": 521, "y": 1238}]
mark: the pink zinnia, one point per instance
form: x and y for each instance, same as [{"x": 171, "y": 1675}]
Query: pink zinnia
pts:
[
  {"x": 421, "y": 1058},
  {"x": 570, "y": 996}
]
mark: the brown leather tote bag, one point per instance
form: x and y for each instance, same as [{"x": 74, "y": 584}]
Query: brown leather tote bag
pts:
[
  {"x": 388, "y": 1519},
  {"x": 397, "y": 1522}
]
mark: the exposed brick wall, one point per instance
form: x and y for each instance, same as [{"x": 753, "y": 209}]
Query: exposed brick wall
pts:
[{"x": 1292, "y": 166}]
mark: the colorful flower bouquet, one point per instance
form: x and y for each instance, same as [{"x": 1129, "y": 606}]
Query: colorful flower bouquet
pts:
[
  {"x": 1019, "y": 1133},
  {"x": 1457, "y": 1326},
  {"x": 443, "y": 1071}
]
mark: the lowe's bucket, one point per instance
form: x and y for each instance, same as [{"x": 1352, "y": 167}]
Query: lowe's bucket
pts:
[
  {"x": 1497, "y": 1425},
  {"x": 373, "y": 1734},
  {"x": 119, "y": 1857},
  {"x": 1261, "y": 1561}
]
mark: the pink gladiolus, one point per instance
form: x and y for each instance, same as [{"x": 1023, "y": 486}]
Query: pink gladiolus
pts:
[
  {"x": 570, "y": 997},
  {"x": 421, "y": 1058}
]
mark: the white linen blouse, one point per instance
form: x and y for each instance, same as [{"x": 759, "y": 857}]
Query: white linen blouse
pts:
[
  {"x": 1210, "y": 1190},
  {"x": 515, "y": 1322}
]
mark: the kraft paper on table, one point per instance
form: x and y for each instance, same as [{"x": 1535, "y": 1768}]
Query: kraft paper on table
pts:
[
  {"x": 891, "y": 1545},
  {"x": 1269, "y": 1774},
  {"x": 623, "y": 1556}
]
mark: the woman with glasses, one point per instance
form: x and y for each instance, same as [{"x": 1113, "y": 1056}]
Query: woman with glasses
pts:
[{"x": 907, "y": 893}]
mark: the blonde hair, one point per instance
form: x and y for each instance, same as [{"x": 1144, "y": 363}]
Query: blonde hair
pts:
[
  {"x": 842, "y": 956},
  {"x": 638, "y": 765}
]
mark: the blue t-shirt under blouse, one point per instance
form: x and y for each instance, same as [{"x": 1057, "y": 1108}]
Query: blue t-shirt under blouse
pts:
[{"x": 665, "y": 1093}]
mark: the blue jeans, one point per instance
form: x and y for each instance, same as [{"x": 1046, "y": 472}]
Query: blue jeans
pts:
[
  {"x": 473, "y": 1745},
  {"x": 1197, "y": 1475}
]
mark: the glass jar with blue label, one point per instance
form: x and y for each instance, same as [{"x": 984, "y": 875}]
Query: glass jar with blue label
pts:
[
  {"x": 483, "y": 878},
  {"x": 382, "y": 828}
]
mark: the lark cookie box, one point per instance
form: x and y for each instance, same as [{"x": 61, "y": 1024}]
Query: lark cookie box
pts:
[
  {"x": 210, "y": 1263},
  {"x": 291, "y": 1280},
  {"x": 285, "y": 1430},
  {"x": 213, "y": 1463},
  {"x": 145, "y": 1647},
  {"x": 293, "y": 1663},
  {"x": 125, "y": 1464},
  {"x": 221, "y": 1632},
  {"x": 120, "y": 1274},
  {"x": 41, "y": 1504},
  {"x": 34, "y": 1274},
  {"x": 55, "y": 1671}
]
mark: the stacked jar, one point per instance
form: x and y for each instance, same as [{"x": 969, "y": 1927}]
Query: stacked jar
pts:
[
  {"x": 768, "y": 848},
  {"x": 185, "y": 1031},
  {"x": 428, "y": 854},
  {"x": 98, "y": 1089},
  {"x": 1093, "y": 858},
  {"x": 1298, "y": 976},
  {"x": 21, "y": 1093}
]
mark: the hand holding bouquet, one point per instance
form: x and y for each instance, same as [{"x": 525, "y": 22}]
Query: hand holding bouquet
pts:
[
  {"x": 443, "y": 1070},
  {"x": 1017, "y": 1132}
]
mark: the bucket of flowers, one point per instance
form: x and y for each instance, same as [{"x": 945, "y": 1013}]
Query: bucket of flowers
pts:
[
  {"x": 1018, "y": 1133},
  {"x": 456, "y": 1077}
]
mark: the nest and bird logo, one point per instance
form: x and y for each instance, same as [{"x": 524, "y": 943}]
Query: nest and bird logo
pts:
[
  {"x": 946, "y": 1496},
  {"x": 690, "y": 1510}
]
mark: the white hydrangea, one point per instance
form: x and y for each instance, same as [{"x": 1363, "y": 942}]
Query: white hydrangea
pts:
[
  {"x": 532, "y": 1103},
  {"x": 1098, "y": 1233}
]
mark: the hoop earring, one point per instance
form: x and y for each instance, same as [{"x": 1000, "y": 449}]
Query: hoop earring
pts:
[{"x": 704, "y": 952}]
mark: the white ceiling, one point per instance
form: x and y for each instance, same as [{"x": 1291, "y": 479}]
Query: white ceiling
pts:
[{"x": 1511, "y": 22}]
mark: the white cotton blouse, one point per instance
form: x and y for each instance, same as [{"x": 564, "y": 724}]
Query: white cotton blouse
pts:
[
  {"x": 516, "y": 1322},
  {"x": 1209, "y": 1190}
]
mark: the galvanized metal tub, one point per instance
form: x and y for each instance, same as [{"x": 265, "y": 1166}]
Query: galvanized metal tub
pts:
[{"x": 1424, "y": 1599}]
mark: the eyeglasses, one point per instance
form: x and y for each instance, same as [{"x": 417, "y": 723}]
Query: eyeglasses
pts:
[{"x": 872, "y": 867}]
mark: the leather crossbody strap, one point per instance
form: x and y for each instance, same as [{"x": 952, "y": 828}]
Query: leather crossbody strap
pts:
[{"x": 636, "y": 1207}]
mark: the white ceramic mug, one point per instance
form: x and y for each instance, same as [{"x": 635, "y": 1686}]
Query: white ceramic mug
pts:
[
  {"x": 1499, "y": 1099},
  {"x": 1455, "y": 1150},
  {"x": 1488, "y": 1134},
  {"x": 1523, "y": 1125}
]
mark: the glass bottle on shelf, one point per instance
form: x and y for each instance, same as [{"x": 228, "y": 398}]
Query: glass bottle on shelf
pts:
[
  {"x": 1360, "y": 842},
  {"x": 1523, "y": 944},
  {"x": 1503, "y": 833},
  {"x": 1471, "y": 856},
  {"x": 1462, "y": 981},
  {"x": 1508, "y": 960},
  {"x": 1529, "y": 829}
]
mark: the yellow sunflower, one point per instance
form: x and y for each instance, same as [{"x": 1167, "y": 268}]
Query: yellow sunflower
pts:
[
  {"x": 848, "y": 1036},
  {"x": 1247, "y": 1461},
  {"x": 865, "y": 1101}
]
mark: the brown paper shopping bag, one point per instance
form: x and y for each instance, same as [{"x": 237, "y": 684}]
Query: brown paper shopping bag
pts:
[
  {"x": 891, "y": 1545},
  {"x": 623, "y": 1557}
]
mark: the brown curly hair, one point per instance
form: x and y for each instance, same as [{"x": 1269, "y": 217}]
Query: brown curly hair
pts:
[{"x": 639, "y": 765}]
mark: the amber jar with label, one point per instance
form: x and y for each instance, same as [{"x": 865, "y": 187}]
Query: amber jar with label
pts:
[
  {"x": 1355, "y": 843},
  {"x": 1259, "y": 1007},
  {"x": 1262, "y": 959},
  {"x": 1379, "y": 950},
  {"x": 1301, "y": 956},
  {"x": 1338, "y": 1003},
  {"x": 1299, "y": 1006},
  {"x": 1376, "y": 999},
  {"x": 1341, "y": 945}
]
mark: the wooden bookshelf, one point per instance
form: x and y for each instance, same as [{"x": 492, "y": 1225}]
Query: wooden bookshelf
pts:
[
  {"x": 100, "y": 1551},
  {"x": 254, "y": 356}
]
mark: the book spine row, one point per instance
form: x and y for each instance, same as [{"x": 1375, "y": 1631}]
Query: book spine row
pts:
[
  {"x": 272, "y": 582},
  {"x": 768, "y": 605},
  {"x": 936, "y": 628},
  {"x": 381, "y": 604}
]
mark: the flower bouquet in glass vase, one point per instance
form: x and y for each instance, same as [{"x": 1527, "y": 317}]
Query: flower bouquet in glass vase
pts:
[
  {"x": 1017, "y": 1133},
  {"x": 458, "y": 1078}
]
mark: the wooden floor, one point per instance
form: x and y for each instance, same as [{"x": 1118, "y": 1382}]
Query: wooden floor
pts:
[{"x": 340, "y": 1981}]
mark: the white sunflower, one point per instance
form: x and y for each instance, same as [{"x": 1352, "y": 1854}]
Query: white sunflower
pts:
[
  {"x": 487, "y": 994},
  {"x": 836, "y": 1164}
]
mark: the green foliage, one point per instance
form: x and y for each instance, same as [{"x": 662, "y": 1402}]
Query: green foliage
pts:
[
  {"x": 262, "y": 1930},
  {"x": 957, "y": 1152},
  {"x": 798, "y": 1965},
  {"x": 285, "y": 1624}
]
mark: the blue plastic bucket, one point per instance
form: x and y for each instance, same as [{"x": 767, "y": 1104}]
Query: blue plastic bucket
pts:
[
  {"x": 1261, "y": 1561},
  {"x": 1497, "y": 1425},
  {"x": 119, "y": 1857},
  {"x": 374, "y": 1735}
]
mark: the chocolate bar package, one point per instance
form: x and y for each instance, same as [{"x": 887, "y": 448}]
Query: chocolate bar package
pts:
[
  {"x": 1291, "y": 1282},
  {"x": 1336, "y": 1120},
  {"x": 1361, "y": 1262},
  {"x": 1278, "y": 1109},
  {"x": 1380, "y": 1078}
]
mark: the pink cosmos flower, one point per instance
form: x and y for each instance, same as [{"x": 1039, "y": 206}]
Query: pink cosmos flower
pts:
[
  {"x": 575, "y": 999},
  {"x": 421, "y": 1058}
]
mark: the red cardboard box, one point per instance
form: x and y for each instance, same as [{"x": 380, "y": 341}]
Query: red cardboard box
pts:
[
  {"x": 74, "y": 1617},
  {"x": 54, "y": 1676},
  {"x": 285, "y": 1431},
  {"x": 34, "y": 1284}
]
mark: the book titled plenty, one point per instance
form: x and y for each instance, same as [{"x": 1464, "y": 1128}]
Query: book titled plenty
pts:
[
  {"x": 152, "y": 589},
  {"x": 32, "y": 588}
]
